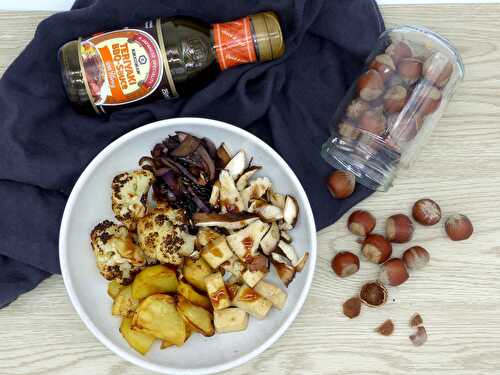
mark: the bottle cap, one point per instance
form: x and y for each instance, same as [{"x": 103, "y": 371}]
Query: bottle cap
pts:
[{"x": 268, "y": 35}]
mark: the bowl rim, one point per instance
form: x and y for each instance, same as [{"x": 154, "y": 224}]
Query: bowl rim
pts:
[{"x": 63, "y": 253}]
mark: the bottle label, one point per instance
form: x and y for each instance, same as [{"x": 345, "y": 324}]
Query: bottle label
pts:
[
  {"x": 234, "y": 43},
  {"x": 124, "y": 66}
]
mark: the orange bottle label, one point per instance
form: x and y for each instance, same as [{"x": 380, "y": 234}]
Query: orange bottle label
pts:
[
  {"x": 233, "y": 42},
  {"x": 123, "y": 66}
]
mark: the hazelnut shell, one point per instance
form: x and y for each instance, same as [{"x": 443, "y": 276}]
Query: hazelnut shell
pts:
[{"x": 373, "y": 294}]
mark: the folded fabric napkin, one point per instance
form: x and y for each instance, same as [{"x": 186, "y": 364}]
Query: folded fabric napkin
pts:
[{"x": 45, "y": 144}]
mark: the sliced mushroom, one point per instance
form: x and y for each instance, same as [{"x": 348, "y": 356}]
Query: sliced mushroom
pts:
[
  {"x": 230, "y": 199},
  {"x": 289, "y": 252},
  {"x": 214, "y": 196},
  {"x": 269, "y": 213},
  {"x": 302, "y": 262},
  {"x": 188, "y": 145},
  {"x": 237, "y": 164},
  {"x": 285, "y": 271},
  {"x": 255, "y": 204},
  {"x": 284, "y": 226},
  {"x": 234, "y": 266},
  {"x": 270, "y": 241},
  {"x": 246, "y": 241},
  {"x": 223, "y": 156},
  {"x": 276, "y": 199},
  {"x": 285, "y": 236},
  {"x": 291, "y": 210},
  {"x": 246, "y": 176},
  {"x": 227, "y": 221},
  {"x": 256, "y": 190}
]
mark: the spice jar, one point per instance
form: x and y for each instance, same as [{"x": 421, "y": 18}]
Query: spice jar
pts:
[{"x": 389, "y": 113}]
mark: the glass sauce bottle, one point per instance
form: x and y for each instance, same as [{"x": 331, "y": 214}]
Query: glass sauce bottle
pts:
[{"x": 163, "y": 59}]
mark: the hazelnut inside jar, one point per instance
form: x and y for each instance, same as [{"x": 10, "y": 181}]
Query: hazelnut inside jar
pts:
[{"x": 390, "y": 111}]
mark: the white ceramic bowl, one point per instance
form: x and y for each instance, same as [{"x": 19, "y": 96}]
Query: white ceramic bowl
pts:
[{"x": 90, "y": 202}]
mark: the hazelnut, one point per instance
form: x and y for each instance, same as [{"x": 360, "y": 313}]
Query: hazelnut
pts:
[
  {"x": 426, "y": 212},
  {"x": 373, "y": 294},
  {"x": 399, "y": 228},
  {"x": 386, "y": 328},
  {"x": 341, "y": 184},
  {"x": 352, "y": 307},
  {"x": 373, "y": 122},
  {"x": 458, "y": 227},
  {"x": 345, "y": 264},
  {"x": 395, "y": 99},
  {"x": 376, "y": 248},
  {"x": 410, "y": 70},
  {"x": 384, "y": 65},
  {"x": 348, "y": 130},
  {"x": 403, "y": 128},
  {"x": 393, "y": 272},
  {"x": 437, "y": 69},
  {"x": 361, "y": 223},
  {"x": 370, "y": 85},
  {"x": 428, "y": 99},
  {"x": 357, "y": 108},
  {"x": 416, "y": 320},
  {"x": 398, "y": 51},
  {"x": 416, "y": 258},
  {"x": 419, "y": 338},
  {"x": 394, "y": 80}
]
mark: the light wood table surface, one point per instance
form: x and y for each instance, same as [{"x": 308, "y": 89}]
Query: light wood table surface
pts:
[{"x": 458, "y": 294}]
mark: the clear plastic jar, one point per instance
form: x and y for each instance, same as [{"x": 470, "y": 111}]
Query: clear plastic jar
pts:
[{"x": 389, "y": 113}]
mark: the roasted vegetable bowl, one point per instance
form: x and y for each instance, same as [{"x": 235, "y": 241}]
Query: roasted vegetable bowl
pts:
[{"x": 186, "y": 233}]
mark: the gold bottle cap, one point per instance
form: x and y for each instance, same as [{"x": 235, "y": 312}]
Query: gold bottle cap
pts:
[{"x": 268, "y": 35}]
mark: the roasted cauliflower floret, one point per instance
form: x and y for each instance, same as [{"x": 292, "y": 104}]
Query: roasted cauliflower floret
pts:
[
  {"x": 161, "y": 235},
  {"x": 117, "y": 256},
  {"x": 130, "y": 194}
]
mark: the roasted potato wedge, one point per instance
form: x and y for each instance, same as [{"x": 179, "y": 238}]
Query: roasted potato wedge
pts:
[
  {"x": 195, "y": 271},
  {"x": 167, "y": 344},
  {"x": 139, "y": 341},
  {"x": 197, "y": 316},
  {"x": 232, "y": 319},
  {"x": 124, "y": 304},
  {"x": 188, "y": 292},
  {"x": 114, "y": 288},
  {"x": 153, "y": 280},
  {"x": 157, "y": 316}
]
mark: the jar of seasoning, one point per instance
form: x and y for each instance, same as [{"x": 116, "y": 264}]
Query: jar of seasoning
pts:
[{"x": 389, "y": 113}]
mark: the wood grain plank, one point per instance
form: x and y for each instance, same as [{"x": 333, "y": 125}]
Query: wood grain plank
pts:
[{"x": 457, "y": 294}]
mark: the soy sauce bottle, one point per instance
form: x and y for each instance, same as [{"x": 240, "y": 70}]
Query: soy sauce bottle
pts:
[{"x": 163, "y": 59}]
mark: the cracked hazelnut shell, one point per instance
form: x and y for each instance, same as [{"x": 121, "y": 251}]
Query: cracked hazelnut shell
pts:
[{"x": 373, "y": 294}]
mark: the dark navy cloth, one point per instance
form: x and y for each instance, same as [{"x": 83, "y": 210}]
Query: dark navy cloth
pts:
[{"x": 45, "y": 144}]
